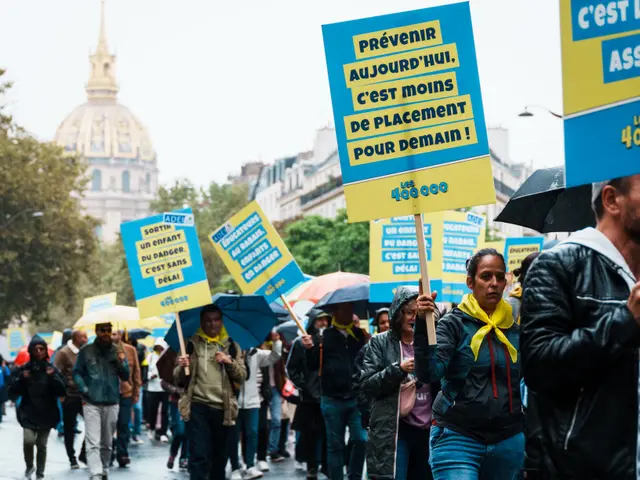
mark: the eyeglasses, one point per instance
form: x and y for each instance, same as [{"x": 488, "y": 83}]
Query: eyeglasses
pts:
[{"x": 104, "y": 330}]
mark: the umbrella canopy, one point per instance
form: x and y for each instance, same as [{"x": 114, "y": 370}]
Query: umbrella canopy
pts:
[
  {"x": 23, "y": 355},
  {"x": 543, "y": 204},
  {"x": 138, "y": 334},
  {"x": 121, "y": 317},
  {"x": 356, "y": 294},
  {"x": 288, "y": 330},
  {"x": 281, "y": 313},
  {"x": 316, "y": 288},
  {"x": 247, "y": 318}
]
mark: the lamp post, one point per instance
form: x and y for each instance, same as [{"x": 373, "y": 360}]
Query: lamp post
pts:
[
  {"x": 34, "y": 213},
  {"x": 527, "y": 113}
]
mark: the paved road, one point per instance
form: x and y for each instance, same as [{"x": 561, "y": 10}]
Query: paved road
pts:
[{"x": 147, "y": 461}]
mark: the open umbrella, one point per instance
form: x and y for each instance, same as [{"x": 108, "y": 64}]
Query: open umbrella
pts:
[
  {"x": 281, "y": 313},
  {"x": 543, "y": 204},
  {"x": 358, "y": 295},
  {"x": 316, "y": 288},
  {"x": 247, "y": 318}
]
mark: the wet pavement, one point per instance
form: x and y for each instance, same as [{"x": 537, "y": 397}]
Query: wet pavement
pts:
[{"x": 148, "y": 461}]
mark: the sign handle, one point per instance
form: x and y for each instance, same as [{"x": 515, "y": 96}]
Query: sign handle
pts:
[
  {"x": 183, "y": 350},
  {"x": 293, "y": 314},
  {"x": 424, "y": 276}
]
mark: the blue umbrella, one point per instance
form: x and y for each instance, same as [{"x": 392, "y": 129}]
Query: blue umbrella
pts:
[
  {"x": 247, "y": 318},
  {"x": 356, "y": 294},
  {"x": 281, "y": 313}
]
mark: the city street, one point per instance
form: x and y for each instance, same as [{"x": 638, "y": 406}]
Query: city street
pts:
[{"x": 147, "y": 461}]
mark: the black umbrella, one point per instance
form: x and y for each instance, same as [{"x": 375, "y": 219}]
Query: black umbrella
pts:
[
  {"x": 543, "y": 204},
  {"x": 356, "y": 294},
  {"x": 282, "y": 314}
]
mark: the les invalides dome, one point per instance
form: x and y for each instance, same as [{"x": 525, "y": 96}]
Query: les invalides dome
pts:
[{"x": 122, "y": 166}]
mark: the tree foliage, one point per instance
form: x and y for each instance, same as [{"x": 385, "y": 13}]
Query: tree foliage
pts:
[
  {"x": 323, "y": 245},
  {"x": 212, "y": 206},
  {"x": 42, "y": 258}
]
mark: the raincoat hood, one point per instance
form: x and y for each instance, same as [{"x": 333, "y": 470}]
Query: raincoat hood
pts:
[
  {"x": 37, "y": 340},
  {"x": 313, "y": 315},
  {"x": 402, "y": 296}
]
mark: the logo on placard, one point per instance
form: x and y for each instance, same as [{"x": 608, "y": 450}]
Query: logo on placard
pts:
[{"x": 184, "y": 219}]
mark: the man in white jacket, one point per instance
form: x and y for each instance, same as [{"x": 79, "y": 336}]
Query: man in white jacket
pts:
[{"x": 249, "y": 409}]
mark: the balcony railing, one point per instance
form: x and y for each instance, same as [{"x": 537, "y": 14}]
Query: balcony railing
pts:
[{"x": 321, "y": 190}]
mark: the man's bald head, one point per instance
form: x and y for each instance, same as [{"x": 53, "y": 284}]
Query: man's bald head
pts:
[{"x": 79, "y": 338}]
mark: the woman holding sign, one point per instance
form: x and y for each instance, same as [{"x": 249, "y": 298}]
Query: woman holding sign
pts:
[{"x": 478, "y": 420}]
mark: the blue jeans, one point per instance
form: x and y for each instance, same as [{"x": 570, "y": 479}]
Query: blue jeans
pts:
[
  {"x": 124, "y": 416},
  {"x": 60, "y": 426},
  {"x": 136, "y": 427},
  {"x": 457, "y": 457},
  {"x": 338, "y": 414},
  {"x": 247, "y": 425},
  {"x": 275, "y": 409},
  {"x": 179, "y": 441}
]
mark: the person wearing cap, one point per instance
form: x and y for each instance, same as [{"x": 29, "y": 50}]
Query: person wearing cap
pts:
[
  {"x": 580, "y": 335},
  {"x": 99, "y": 368},
  {"x": 157, "y": 395},
  {"x": 334, "y": 354},
  {"x": 39, "y": 384},
  {"x": 308, "y": 418},
  {"x": 129, "y": 395}
]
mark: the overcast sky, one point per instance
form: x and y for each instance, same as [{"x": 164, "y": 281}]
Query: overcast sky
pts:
[{"x": 218, "y": 83}]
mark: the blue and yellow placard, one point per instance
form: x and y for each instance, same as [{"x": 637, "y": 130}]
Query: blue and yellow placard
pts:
[
  {"x": 255, "y": 255},
  {"x": 463, "y": 234},
  {"x": 165, "y": 264},
  {"x": 408, "y": 113},
  {"x": 393, "y": 255},
  {"x": 16, "y": 339},
  {"x": 99, "y": 302},
  {"x": 601, "y": 88},
  {"x": 516, "y": 249}
]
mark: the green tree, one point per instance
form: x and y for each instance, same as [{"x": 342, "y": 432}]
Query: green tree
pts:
[
  {"x": 322, "y": 245},
  {"x": 212, "y": 206},
  {"x": 41, "y": 258}
]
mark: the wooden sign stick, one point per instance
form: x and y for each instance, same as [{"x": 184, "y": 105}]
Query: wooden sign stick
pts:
[
  {"x": 183, "y": 350},
  {"x": 424, "y": 275},
  {"x": 293, "y": 314}
]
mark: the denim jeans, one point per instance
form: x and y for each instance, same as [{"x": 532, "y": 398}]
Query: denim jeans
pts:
[
  {"x": 274, "y": 425},
  {"x": 178, "y": 432},
  {"x": 338, "y": 414},
  {"x": 457, "y": 457},
  {"x": 124, "y": 415},
  {"x": 136, "y": 426},
  {"x": 247, "y": 424},
  {"x": 412, "y": 455},
  {"x": 208, "y": 439}
]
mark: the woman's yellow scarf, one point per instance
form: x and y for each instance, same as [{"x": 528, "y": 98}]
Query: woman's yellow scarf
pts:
[
  {"x": 501, "y": 319},
  {"x": 516, "y": 292},
  {"x": 220, "y": 339},
  {"x": 346, "y": 328}
]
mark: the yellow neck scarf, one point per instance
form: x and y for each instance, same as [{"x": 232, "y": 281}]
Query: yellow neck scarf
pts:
[
  {"x": 220, "y": 339},
  {"x": 501, "y": 319},
  {"x": 344, "y": 328},
  {"x": 516, "y": 292}
]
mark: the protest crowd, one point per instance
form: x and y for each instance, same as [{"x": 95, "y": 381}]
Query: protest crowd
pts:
[{"x": 538, "y": 383}]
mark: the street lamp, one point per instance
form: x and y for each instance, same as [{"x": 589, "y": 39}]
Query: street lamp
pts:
[
  {"x": 34, "y": 213},
  {"x": 527, "y": 113}
]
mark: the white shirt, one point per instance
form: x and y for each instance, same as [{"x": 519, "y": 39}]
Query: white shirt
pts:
[{"x": 155, "y": 384}]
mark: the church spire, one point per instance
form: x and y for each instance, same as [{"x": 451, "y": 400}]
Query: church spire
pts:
[{"x": 102, "y": 81}]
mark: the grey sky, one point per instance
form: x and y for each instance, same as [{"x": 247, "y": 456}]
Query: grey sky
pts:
[{"x": 219, "y": 83}]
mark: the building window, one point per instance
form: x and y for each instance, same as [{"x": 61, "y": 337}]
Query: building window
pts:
[
  {"x": 96, "y": 181},
  {"x": 148, "y": 182},
  {"x": 126, "y": 181}
]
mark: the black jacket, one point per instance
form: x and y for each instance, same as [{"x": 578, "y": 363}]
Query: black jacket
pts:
[
  {"x": 471, "y": 402},
  {"x": 306, "y": 380},
  {"x": 39, "y": 391},
  {"x": 380, "y": 381},
  {"x": 580, "y": 359},
  {"x": 338, "y": 354}
]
